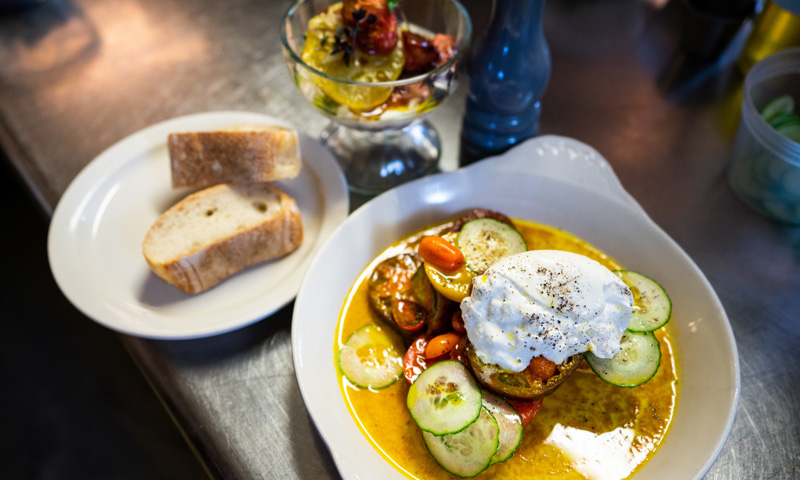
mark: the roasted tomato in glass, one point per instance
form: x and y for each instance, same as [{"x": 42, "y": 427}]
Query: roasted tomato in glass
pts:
[{"x": 375, "y": 27}]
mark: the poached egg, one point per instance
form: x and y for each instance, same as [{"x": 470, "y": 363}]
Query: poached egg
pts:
[{"x": 546, "y": 303}]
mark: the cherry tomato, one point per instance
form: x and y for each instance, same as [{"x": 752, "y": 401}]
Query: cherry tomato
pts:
[
  {"x": 421, "y": 55},
  {"x": 453, "y": 285},
  {"x": 376, "y": 31},
  {"x": 459, "y": 352},
  {"x": 382, "y": 39},
  {"x": 431, "y": 361},
  {"x": 414, "y": 360},
  {"x": 526, "y": 410},
  {"x": 445, "y": 46},
  {"x": 542, "y": 368},
  {"x": 441, "y": 344},
  {"x": 440, "y": 253},
  {"x": 458, "y": 322}
]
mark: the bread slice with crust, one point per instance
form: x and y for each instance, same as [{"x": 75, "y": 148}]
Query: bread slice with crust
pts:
[
  {"x": 239, "y": 154},
  {"x": 214, "y": 233}
]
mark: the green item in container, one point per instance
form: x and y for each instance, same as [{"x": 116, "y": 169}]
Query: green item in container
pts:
[
  {"x": 780, "y": 115},
  {"x": 784, "y": 120},
  {"x": 791, "y": 131},
  {"x": 780, "y": 105}
]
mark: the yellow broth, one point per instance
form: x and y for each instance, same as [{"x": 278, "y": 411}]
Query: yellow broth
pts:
[{"x": 590, "y": 412}]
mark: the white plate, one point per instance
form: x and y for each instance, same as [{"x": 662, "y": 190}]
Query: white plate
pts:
[
  {"x": 96, "y": 234},
  {"x": 553, "y": 180}
]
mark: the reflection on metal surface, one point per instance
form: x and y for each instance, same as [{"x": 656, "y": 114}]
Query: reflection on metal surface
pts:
[
  {"x": 43, "y": 40},
  {"x": 137, "y": 39},
  {"x": 136, "y": 46},
  {"x": 693, "y": 325},
  {"x": 656, "y": 4}
]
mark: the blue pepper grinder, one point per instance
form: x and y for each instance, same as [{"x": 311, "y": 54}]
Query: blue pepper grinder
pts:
[{"x": 508, "y": 71}]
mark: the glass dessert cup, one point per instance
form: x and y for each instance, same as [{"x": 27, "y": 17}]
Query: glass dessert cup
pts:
[{"x": 378, "y": 132}]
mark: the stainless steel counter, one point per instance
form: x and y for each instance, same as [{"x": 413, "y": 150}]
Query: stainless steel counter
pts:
[{"x": 77, "y": 76}]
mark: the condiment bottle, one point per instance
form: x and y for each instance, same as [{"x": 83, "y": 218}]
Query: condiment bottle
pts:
[
  {"x": 508, "y": 71},
  {"x": 777, "y": 27}
]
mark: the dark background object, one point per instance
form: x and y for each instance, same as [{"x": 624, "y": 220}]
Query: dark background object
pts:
[
  {"x": 710, "y": 25},
  {"x": 74, "y": 405},
  {"x": 13, "y": 6},
  {"x": 507, "y": 73}
]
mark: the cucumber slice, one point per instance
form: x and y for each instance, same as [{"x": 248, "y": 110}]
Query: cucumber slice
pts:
[
  {"x": 637, "y": 361},
  {"x": 485, "y": 241},
  {"x": 784, "y": 120},
  {"x": 652, "y": 307},
  {"x": 778, "y": 105},
  {"x": 371, "y": 357},
  {"x": 444, "y": 398},
  {"x": 469, "y": 452},
  {"x": 509, "y": 422},
  {"x": 791, "y": 131}
]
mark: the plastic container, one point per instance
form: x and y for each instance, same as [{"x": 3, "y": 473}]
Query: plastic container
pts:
[{"x": 765, "y": 165}]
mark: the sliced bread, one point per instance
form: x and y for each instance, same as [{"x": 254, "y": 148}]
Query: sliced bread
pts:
[
  {"x": 216, "y": 232},
  {"x": 238, "y": 154}
]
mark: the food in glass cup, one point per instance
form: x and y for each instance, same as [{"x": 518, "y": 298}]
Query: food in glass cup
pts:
[{"x": 353, "y": 45}]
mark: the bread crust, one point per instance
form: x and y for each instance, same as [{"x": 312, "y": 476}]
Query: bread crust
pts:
[
  {"x": 239, "y": 154},
  {"x": 209, "y": 264}
]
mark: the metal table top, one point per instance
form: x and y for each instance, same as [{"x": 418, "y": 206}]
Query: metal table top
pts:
[{"x": 77, "y": 75}]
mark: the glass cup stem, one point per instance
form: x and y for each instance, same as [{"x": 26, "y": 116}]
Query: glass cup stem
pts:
[{"x": 374, "y": 161}]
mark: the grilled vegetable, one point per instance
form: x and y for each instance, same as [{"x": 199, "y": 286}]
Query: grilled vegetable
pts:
[
  {"x": 524, "y": 385},
  {"x": 401, "y": 294}
]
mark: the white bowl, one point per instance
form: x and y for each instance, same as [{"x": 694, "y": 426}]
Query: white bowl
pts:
[{"x": 552, "y": 180}]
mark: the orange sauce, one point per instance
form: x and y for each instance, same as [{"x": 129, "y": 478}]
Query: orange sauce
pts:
[{"x": 570, "y": 436}]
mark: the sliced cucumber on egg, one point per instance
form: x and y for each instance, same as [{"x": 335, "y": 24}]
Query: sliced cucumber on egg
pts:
[
  {"x": 485, "y": 241},
  {"x": 371, "y": 357},
  {"x": 445, "y": 398},
  {"x": 469, "y": 452},
  {"x": 652, "y": 307},
  {"x": 637, "y": 361}
]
